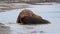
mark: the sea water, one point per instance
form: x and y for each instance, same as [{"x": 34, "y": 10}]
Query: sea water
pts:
[{"x": 48, "y": 12}]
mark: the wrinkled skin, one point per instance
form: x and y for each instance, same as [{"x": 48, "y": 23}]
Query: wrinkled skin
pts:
[
  {"x": 28, "y": 17},
  {"x": 26, "y": 12},
  {"x": 33, "y": 20}
]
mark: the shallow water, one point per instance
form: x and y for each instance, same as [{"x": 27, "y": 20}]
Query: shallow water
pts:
[{"x": 49, "y": 12}]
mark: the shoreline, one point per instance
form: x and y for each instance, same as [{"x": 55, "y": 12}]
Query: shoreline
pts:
[{"x": 11, "y": 6}]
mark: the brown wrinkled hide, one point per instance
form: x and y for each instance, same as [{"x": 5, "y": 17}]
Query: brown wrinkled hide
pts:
[
  {"x": 26, "y": 12},
  {"x": 30, "y": 14},
  {"x": 34, "y": 20}
]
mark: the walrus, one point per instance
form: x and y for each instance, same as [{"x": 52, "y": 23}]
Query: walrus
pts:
[
  {"x": 26, "y": 12},
  {"x": 33, "y": 20}
]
